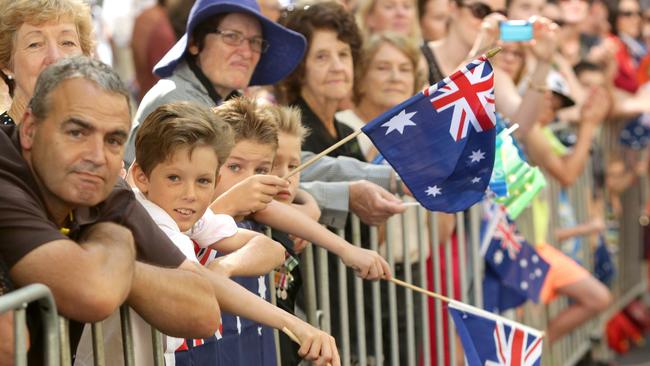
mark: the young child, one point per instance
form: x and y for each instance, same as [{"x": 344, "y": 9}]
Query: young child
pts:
[
  {"x": 179, "y": 150},
  {"x": 255, "y": 148},
  {"x": 252, "y": 155},
  {"x": 288, "y": 279}
]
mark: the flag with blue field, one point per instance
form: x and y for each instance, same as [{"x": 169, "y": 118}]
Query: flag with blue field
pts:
[{"x": 441, "y": 141}]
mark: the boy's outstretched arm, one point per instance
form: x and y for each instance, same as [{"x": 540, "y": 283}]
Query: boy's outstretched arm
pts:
[
  {"x": 316, "y": 345},
  {"x": 368, "y": 264},
  {"x": 306, "y": 203},
  {"x": 257, "y": 255}
]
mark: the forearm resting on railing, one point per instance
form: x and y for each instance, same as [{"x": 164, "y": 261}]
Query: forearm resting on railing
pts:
[
  {"x": 259, "y": 256},
  {"x": 90, "y": 279},
  {"x": 180, "y": 302}
]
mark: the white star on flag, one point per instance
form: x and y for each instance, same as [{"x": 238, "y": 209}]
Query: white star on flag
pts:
[
  {"x": 498, "y": 257},
  {"x": 476, "y": 180},
  {"x": 477, "y": 156},
  {"x": 398, "y": 122},
  {"x": 433, "y": 191},
  {"x": 261, "y": 287}
]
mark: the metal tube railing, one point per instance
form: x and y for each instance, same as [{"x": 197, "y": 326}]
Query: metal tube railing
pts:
[
  {"x": 99, "y": 357},
  {"x": 424, "y": 305},
  {"x": 392, "y": 298},
  {"x": 358, "y": 300},
  {"x": 408, "y": 294},
  {"x": 376, "y": 306},
  {"x": 17, "y": 301},
  {"x": 462, "y": 256},
  {"x": 343, "y": 311}
]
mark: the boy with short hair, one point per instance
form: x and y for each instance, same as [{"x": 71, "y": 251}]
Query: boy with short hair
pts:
[
  {"x": 256, "y": 142},
  {"x": 288, "y": 278}
]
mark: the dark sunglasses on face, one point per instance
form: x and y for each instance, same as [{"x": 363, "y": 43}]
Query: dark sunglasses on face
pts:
[
  {"x": 629, "y": 13},
  {"x": 480, "y": 10}
]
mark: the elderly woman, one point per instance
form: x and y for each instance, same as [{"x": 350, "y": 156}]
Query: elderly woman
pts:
[
  {"x": 385, "y": 75},
  {"x": 326, "y": 74},
  {"x": 35, "y": 34}
]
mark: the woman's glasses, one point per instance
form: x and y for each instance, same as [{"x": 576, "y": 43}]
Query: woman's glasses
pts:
[
  {"x": 234, "y": 38},
  {"x": 629, "y": 13}
]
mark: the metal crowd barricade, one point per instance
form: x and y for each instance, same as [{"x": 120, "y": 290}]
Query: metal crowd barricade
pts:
[
  {"x": 453, "y": 268},
  {"x": 18, "y": 301},
  {"x": 461, "y": 258}
]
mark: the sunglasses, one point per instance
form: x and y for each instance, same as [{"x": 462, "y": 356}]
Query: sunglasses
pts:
[
  {"x": 629, "y": 13},
  {"x": 480, "y": 10}
]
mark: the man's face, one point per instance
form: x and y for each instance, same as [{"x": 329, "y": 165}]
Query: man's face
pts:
[
  {"x": 76, "y": 151},
  {"x": 182, "y": 185},
  {"x": 230, "y": 67},
  {"x": 246, "y": 159}
]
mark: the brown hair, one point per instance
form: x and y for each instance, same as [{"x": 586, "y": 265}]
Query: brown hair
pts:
[
  {"x": 406, "y": 45},
  {"x": 307, "y": 20},
  {"x": 17, "y": 12},
  {"x": 176, "y": 125},
  {"x": 248, "y": 122},
  {"x": 204, "y": 28},
  {"x": 288, "y": 120}
]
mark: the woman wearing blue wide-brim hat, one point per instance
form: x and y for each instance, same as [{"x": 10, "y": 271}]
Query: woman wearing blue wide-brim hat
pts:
[{"x": 228, "y": 45}]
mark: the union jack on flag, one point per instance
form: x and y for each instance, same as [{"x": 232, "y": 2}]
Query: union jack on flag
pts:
[
  {"x": 510, "y": 239},
  {"x": 470, "y": 93},
  {"x": 489, "y": 340}
]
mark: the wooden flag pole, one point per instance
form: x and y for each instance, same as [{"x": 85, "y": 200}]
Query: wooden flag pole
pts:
[
  {"x": 293, "y": 337},
  {"x": 455, "y": 302},
  {"x": 309, "y": 162},
  {"x": 349, "y": 137}
]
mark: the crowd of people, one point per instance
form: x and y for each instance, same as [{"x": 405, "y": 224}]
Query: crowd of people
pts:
[{"x": 154, "y": 187}]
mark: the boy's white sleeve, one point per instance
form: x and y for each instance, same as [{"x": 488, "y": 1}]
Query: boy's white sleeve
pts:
[{"x": 211, "y": 228}]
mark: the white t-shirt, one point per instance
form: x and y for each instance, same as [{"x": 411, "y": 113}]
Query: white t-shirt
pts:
[{"x": 206, "y": 231}]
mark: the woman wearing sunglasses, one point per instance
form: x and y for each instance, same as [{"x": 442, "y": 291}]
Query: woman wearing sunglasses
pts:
[{"x": 625, "y": 22}]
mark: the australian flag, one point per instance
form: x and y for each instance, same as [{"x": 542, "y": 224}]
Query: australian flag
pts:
[
  {"x": 514, "y": 271},
  {"x": 603, "y": 265},
  {"x": 491, "y": 341},
  {"x": 636, "y": 133},
  {"x": 441, "y": 141}
]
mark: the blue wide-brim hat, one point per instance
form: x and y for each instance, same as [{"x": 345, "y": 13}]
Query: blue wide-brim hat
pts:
[{"x": 286, "y": 47}]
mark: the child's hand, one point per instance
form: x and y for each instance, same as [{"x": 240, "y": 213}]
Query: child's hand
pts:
[
  {"x": 315, "y": 345},
  {"x": 299, "y": 244},
  {"x": 366, "y": 263},
  {"x": 249, "y": 196}
]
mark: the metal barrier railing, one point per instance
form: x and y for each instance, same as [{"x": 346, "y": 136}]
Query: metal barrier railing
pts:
[
  {"x": 18, "y": 301},
  {"x": 377, "y": 323}
]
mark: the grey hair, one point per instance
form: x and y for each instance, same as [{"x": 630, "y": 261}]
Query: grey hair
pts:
[{"x": 74, "y": 67}]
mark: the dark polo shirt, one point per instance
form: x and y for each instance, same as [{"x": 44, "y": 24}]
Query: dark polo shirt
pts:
[{"x": 25, "y": 225}]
